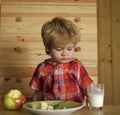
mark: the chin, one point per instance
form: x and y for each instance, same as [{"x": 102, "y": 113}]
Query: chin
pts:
[{"x": 64, "y": 61}]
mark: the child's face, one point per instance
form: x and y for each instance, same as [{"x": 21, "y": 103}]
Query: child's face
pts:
[{"x": 62, "y": 53}]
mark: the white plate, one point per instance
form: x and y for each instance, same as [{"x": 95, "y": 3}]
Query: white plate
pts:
[{"x": 66, "y": 107}]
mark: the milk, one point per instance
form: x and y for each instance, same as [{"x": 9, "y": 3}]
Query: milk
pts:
[
  {"x": 96, "y": 100},
  {"x": 95, "y": 95}
]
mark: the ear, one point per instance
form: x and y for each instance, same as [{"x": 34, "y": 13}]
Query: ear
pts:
[{"x": 77, "y": 49}]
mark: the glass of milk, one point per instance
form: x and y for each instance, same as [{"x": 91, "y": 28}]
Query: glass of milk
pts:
[{"x": 95, "y": 95}]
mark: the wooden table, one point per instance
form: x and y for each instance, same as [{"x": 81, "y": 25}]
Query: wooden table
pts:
[{"x": 107, "y": 110}]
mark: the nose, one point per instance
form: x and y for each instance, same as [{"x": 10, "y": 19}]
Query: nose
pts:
[{"x": 64, "y": 53}]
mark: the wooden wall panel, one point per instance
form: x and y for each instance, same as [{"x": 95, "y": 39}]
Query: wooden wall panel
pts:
[
  {"x": 109, "y": 49},
  {"x": 115, "y": 28},
  {"x": 45, "y": 1},
  {"x": 104, "y": 48},
  {"x": 21, "y": 47},
  {"x": 20, "y": 84}
]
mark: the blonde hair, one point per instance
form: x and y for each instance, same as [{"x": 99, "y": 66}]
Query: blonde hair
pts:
[{"x": 59, "y": 31}]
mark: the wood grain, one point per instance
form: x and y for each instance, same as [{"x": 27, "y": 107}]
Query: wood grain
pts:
[
  {"x": 21, "y": 46},
  {"x": 115, "y": 27}
]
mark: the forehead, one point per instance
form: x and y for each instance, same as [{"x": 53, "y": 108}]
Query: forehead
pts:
[{"x": 65, "y": 45}]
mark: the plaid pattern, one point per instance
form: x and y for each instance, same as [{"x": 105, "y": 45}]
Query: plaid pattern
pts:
[{"x": 66, "y": 81}]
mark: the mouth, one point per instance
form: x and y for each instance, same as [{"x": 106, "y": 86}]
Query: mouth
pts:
[{"x": 65, "y": 59}]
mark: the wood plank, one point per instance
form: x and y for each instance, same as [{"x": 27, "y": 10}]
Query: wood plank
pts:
[
  {"x": 115, "y": 28},
  {"x": 45, "y": 1},
  {"x": 21, "y": 84},
  {"x": 20, "y": 53},
  {"x": 0, "y": 18},
  {"x": 9, "y": 71},
  {"x": 104, "y": 48},
  {"x": 53, "y": 8}
]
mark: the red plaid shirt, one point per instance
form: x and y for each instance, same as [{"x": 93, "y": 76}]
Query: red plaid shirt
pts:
[{"x": 61, "y": 81}]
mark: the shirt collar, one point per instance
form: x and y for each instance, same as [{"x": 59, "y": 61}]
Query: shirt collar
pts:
[{"x": 50, "y": 61}]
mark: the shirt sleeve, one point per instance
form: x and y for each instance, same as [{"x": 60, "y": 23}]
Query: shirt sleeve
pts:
[
  {"x": 36, "y": 81},
  {"x": 85, "y": 80},
  {"x": 85, "y": 77}
]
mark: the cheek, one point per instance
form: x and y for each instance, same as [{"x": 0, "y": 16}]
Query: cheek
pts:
[
  {"x": 55, "y": 54},
  {"x": 71, "y": 53}
]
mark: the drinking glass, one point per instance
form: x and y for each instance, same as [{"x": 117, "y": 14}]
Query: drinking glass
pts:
[{"x": 95, "y": 95}]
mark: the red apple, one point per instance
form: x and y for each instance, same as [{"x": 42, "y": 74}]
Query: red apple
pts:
[{"x": 13, "y": 99}]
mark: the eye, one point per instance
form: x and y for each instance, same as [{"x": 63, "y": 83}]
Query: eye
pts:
[
  {"x": 58, "y": 49},
  {"x": 70, "y": 48}
]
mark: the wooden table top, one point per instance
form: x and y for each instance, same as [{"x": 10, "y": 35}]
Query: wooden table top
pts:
[{"x": 106, "y": 110}]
